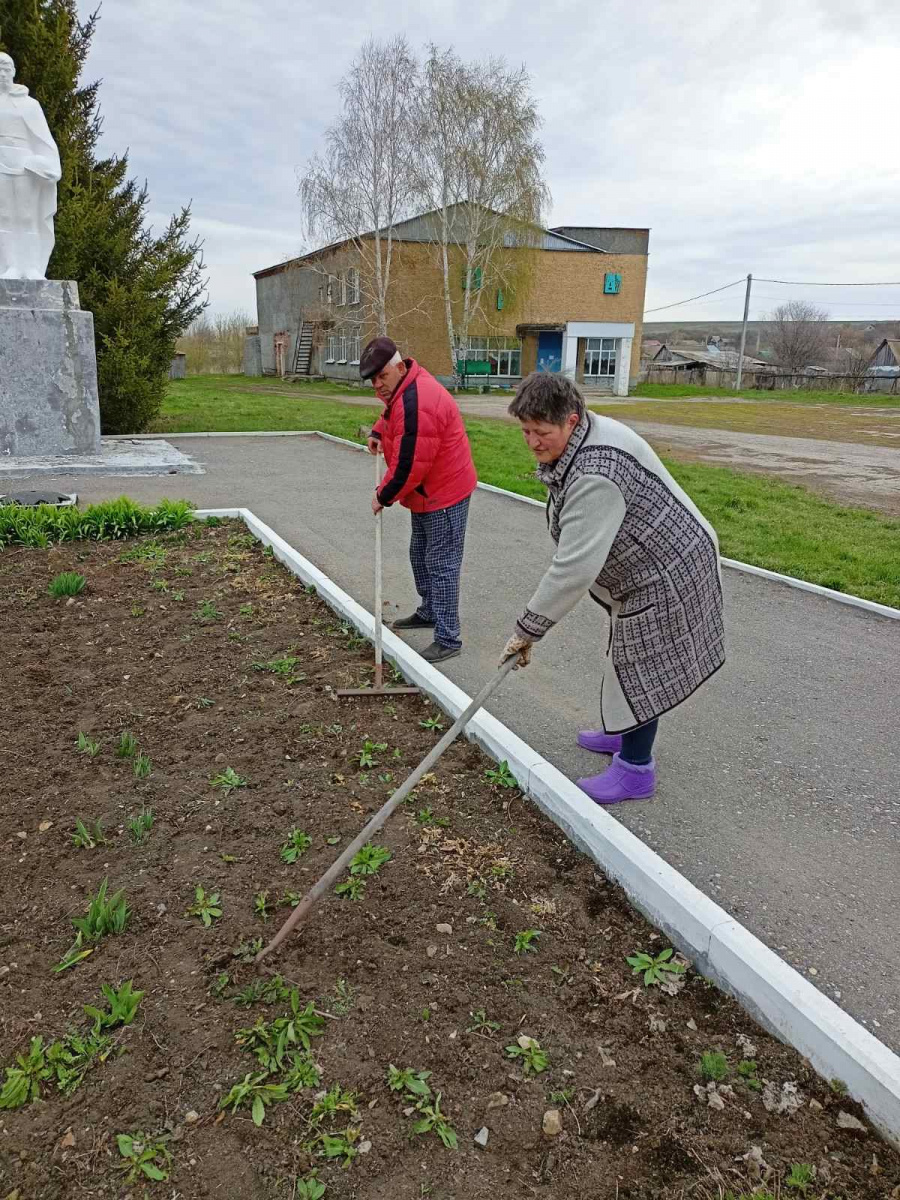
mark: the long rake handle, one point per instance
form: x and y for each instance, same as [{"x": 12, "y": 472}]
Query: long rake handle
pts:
[
  {"x": 315, "y": 893},
  {"x": 379, "y": 618}
]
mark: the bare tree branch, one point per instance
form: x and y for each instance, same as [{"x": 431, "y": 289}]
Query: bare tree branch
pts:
[
  {"x": 800, "y": 335},
  {"x": 360, "y": 184}
]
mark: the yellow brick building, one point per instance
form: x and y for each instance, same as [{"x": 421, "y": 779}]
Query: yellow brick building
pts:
[{"x": 572, "y": 300}]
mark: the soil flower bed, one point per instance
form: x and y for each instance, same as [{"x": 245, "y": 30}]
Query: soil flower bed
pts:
[{"x": 477, "y": 1012}]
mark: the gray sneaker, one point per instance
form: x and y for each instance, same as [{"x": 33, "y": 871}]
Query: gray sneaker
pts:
[{"x": 436, "y": 653}]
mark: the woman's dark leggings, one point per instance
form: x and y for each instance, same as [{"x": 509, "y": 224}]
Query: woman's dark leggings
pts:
[{"x": 637, "y": 744}]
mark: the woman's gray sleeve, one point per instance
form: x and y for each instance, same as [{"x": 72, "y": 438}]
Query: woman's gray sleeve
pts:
[{"x": 591, "y": 516}]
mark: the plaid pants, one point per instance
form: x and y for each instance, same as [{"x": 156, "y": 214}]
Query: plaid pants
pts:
[{"x": 436, "y": 554}]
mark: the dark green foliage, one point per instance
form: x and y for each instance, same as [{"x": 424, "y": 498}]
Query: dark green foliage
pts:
[
  {"x": 40, "y": 527},
  {"x": 143, "y": 289}
]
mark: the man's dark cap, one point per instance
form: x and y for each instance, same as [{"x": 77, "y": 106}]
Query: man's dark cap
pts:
[{"x": 376, "y": 355}]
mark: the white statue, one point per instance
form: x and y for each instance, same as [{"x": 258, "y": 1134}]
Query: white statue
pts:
[{"x": 29, "y": 171}]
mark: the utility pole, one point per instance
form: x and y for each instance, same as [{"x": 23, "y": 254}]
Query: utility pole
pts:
[{"x": 740, "y": 370}]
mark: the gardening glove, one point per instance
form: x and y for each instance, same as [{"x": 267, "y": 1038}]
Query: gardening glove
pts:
[{"x": 518, "y": 645}]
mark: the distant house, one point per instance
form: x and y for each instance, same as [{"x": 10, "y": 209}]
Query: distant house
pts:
[
  {"x": 682, "y": 355},
  {"x": 886, "y": 356}
]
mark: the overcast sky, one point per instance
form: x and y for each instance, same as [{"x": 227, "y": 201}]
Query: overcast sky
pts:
[{"x": 749, "y": 136}]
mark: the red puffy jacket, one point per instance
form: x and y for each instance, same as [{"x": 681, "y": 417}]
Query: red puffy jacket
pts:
[{"x": 429, "y": 461}]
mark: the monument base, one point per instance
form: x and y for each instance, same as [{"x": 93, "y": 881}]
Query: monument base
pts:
[{"x": 48, "y": 371}]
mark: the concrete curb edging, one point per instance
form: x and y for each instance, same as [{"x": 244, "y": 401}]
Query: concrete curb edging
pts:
[{"x": 776, "y": 995}]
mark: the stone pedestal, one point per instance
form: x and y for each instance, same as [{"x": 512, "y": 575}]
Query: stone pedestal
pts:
[{"x": 48, "y": 371}]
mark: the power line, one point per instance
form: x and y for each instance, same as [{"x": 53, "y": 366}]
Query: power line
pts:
[
  {"x": 693, "y": 298},
  {"x": 809, "y": 283}
]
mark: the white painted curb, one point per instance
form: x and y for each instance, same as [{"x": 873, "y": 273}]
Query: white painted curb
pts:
[
  {"x": 776, "y": 995},
  {"x": 883, "y": 610}
]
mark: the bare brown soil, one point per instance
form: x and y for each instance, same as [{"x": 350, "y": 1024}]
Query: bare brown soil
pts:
[{"x": 136, "y": 651}]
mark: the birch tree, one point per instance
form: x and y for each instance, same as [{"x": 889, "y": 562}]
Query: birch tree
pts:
[
  {"x": 359, "y": 187},
  {"x": 479, "y": 167}
]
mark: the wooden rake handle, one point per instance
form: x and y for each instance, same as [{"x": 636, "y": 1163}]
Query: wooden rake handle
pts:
[{"x": 315, "y": 893}]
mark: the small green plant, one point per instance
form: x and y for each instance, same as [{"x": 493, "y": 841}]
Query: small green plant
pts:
[
  {"x": 203, "y": 702},
  {"x": 123, "y": 1005},
  {"x": 366, "y": 757},
  {"x": 296, "y": 845},
  {"x": 713, "y": 1065},
  {"x": 501, "y": 776},
  {"x": 426, "y": 817},
  {"x": 261, "y": 905},
  {"x": 838, "y": 1087},
  {"x": 207, "y": 611},
  {"x": 254, "y": 1093},
  {"x": 159, "y": 585},
  {"x": 262, "y": 991},
  {"x": 413, "y": 1083},
  {"x": 433, "y": 723},
  {"x": 23, "y": 1081},
  {"x": 369, "y": 860},
  {"x": 247, "y": 950},
  {"x": 205, "y": 906},
  {"x": 290, "y": 900},
  {"x": 274, "y": 1041},
  {"x": 747, "y": 1069},
  {"x": 800, "y": 1178},
  {"x": 105, "y": 915},
  {"x": 228, "y": 780},
  {"x": 414, "y": 1087},
  {"x": 127, "y": 745},
  {"x": 525, "y": 941},
  {"x": 534, "y": 1060},
  {"x": 284, "y": 666},
  {"x": 87, "y": 839},
  {"x": 425, "y": 1015},
  {"x": 142, "y": 767},
  {"x": 178, "y": 595},
  {"x": 141, "y": 825},
  {"x": 342, "y": 1001},
  {"x": 566, "y": 1096},
  {"x": 87, "y": 745},
  {"x": 246, "y": 610},
  {"x": 67, "y": 583},
  {"x": 309, "y": 1188},
  {"x": 353, "y": 888},
  {"x": 137, "y": 610},
  {"x": 481, "y": 1024},
  {"x": 653, "y": 969},
  {"x": 477, "y": 888}
]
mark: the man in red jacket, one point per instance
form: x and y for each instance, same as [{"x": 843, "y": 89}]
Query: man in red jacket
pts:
[{"x": 430, "y": 472}]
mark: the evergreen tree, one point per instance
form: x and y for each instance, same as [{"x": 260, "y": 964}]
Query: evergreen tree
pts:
[{"x": 143, "y": 289}]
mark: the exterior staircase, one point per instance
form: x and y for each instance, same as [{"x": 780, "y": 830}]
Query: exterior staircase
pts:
[{"x": 303, "y": 349}]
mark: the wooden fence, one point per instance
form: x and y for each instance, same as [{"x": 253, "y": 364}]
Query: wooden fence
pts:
[{"x": 767, "y": 381}]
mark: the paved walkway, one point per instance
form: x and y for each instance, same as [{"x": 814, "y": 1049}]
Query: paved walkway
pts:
[{"x": 778, "y": 791}]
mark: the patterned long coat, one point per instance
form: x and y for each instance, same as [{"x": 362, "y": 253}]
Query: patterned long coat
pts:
[{"x": 630, "y": 536}]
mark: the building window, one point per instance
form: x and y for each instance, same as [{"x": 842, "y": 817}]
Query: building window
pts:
[
  {"x": 599, "y": 357},
  {"x": 341, "y": 289},
  {"x": 473, "y": 277},
  {"x": 330, "y": 348},
  {"x": 504, "y": 354},
  {"x": 329, "y": 289},
  {"x": 353, "y": 285},
  {"x": 354, "y": 347},
  {"x": 342, "y": 348}
]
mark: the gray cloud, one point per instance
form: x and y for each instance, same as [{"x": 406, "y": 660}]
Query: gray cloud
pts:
[{"x": 750, "y": 137}]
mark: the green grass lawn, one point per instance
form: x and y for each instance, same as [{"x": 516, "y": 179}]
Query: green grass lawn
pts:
[
  {"x": 759, "y": 520},
  {"x": 681, "y": 391}
]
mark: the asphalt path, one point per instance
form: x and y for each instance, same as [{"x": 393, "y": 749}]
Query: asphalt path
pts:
[{"x": 778, "y": 792}]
